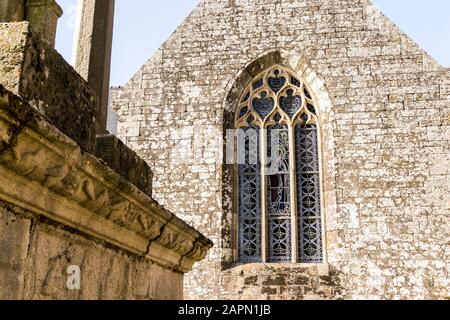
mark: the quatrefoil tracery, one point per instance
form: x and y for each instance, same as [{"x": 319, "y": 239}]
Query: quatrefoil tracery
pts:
[{"x": 276, "y": 92}]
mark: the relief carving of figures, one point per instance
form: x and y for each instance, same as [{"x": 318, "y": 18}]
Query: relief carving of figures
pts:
[
  {"x": 178, "y": 242},
  {"x": 146, "y": 226}
]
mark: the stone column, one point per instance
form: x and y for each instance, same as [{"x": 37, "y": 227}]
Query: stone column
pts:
[
  {"x": 12, "y": 10},
  {"x": 93, "y": 45},
  {"x": 43, "y": 16}
]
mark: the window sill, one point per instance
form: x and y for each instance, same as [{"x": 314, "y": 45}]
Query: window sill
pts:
[{"x": 319, "y": 269}]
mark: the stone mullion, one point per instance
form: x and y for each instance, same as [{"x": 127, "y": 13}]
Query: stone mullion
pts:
[
  {"x": 322, "y": 192},
  {"x": 293, "y": 195},
  {"x": 236, "y": 213},
  {"x": 264, "y": 231}
]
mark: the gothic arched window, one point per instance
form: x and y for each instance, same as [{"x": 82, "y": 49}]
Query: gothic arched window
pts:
[{"x": 279, "y": 202}]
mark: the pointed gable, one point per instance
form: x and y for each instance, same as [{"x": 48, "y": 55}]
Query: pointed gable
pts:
[{"x": 383, "y": 106}]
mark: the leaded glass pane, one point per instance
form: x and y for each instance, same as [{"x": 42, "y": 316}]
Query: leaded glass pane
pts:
[
  {"x": 249, "y": 196},
  {"x": 277, "y": 83},
  {"x": 295, "y": 82},
  {"x": 258, "y": 84},
  {"x": 243, "y": 112},
  {"x": 308, "y": 194},
  {"x": 263, "y": 105},
  {"x": 291, "y": 104},
  {"x": 279, "y": 207},
  {"x": 307, "y": 94},
  {"x": 312, "y": 109}
]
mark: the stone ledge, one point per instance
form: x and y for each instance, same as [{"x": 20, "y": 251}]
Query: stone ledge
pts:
[
  {"x": 33, "y": 70},
  {"x": 320, "y": 269},
  {"x": 124, "y": 161},
  {"x": 79, "y": 191}
]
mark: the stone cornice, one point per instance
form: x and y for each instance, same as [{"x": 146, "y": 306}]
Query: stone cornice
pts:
[{"x": 45, "y": 172}]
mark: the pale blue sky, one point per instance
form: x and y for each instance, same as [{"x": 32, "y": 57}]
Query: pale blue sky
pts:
[{"x": 142, "y": 27}]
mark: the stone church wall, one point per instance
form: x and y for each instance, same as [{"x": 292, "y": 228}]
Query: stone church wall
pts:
[{"x": 384, "y": 105}]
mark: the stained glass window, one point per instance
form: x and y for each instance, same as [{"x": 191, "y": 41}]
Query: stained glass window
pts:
[
  {"x": 278, "y": 171},
  {"x": 278, "y": 189},
  {"x": 250, "y": 198},
  {"x": 308, "y": 194}
]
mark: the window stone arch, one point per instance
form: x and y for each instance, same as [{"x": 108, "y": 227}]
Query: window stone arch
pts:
[
  {"x": 315, "y": 88},
  {"x": 279, "y": 196}
]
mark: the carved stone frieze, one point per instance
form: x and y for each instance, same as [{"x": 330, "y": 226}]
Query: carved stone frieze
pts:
[{"x": 76, "y": 189}]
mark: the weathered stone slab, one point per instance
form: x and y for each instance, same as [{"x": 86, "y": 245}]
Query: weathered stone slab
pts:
[
  {"x": 125, "y": 162},
  {"x": 281, "y": 281},
  {"x": 12, "y": 10},
  {"x": 14, "y": 242},
  {"x": 32, "y": 69},
  {"x": 43, "y": 16},
  {"x": 105, "y": 273}
]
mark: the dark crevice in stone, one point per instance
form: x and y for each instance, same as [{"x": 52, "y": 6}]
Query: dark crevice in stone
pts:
[
  {"x": 185, "y": 255},
  {"x": 14, "y": 132},
  {"x": 30, "y": 231},
  {"x": 161, "y": 231}
]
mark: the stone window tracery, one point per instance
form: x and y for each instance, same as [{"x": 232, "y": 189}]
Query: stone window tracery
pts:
[{"x": 279, "y": 198}]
